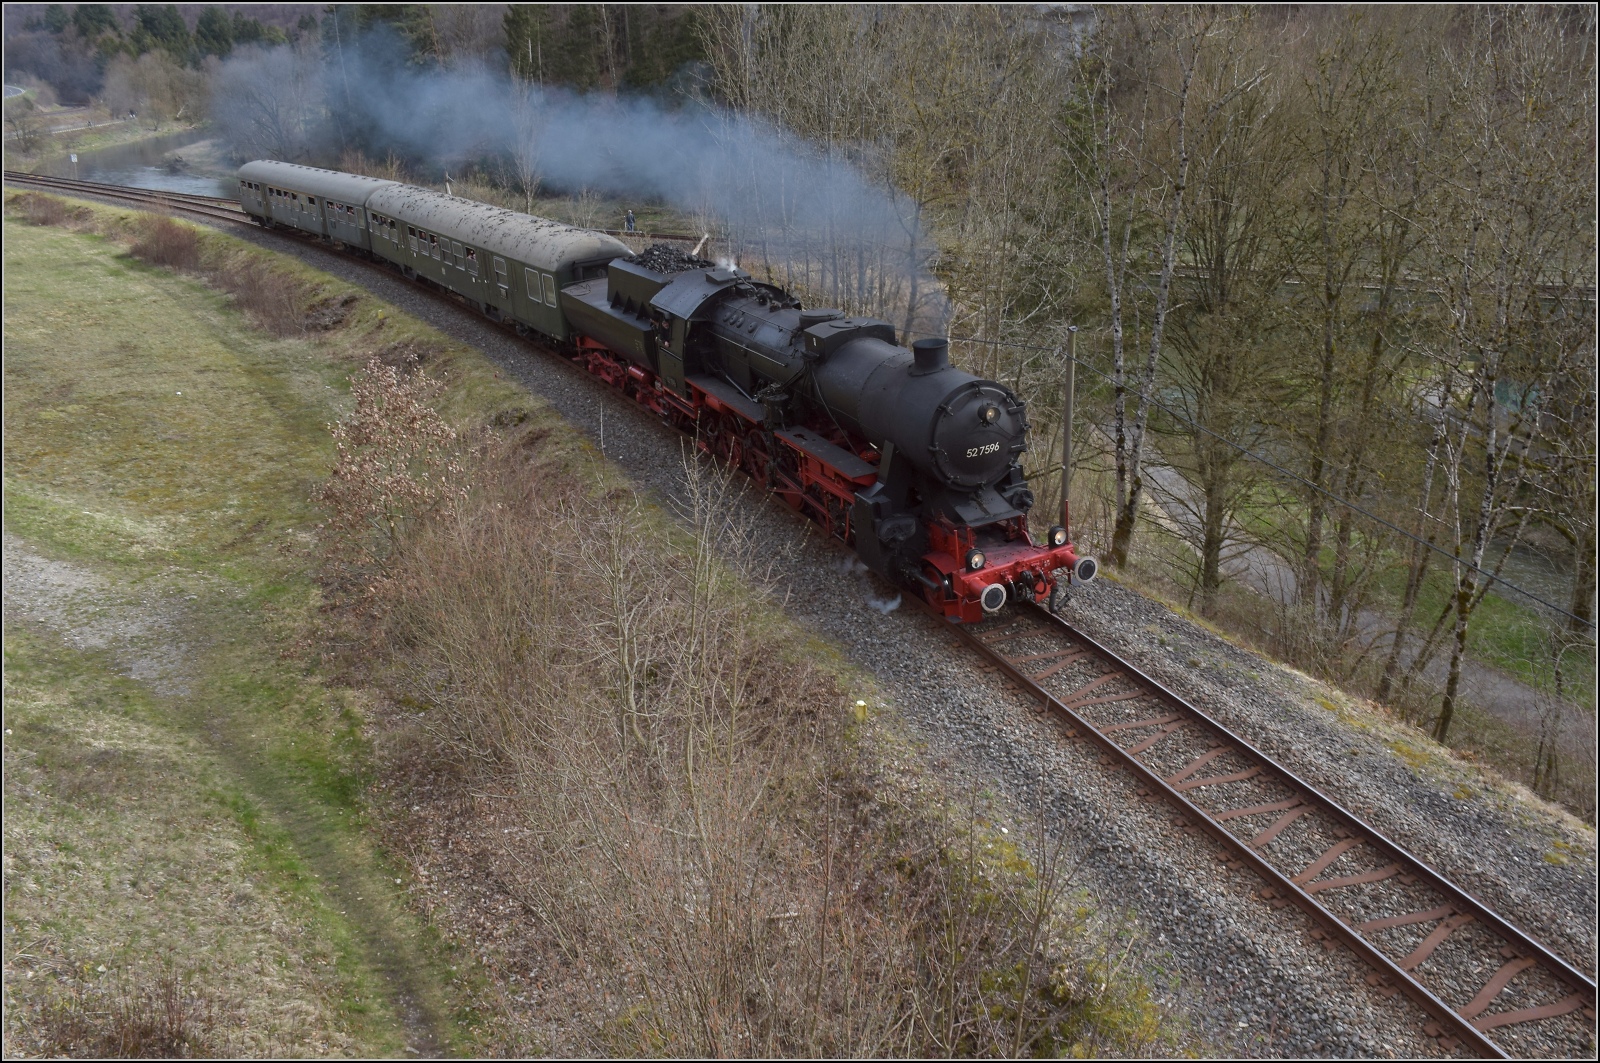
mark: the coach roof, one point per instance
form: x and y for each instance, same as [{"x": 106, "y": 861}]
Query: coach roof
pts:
[
  {"x": 329, "y": 184},
  {"x": 539, "y": 242}
]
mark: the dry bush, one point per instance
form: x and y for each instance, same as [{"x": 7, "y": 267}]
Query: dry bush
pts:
[
  {"x": 698, "y": 829},
  {"x": 276, "y": 300},
  {"x": 395, "y": 463},
  {"x": 39, "y": 209},
  {"x": 132, "y": 1015},
  {"x": 390, "y": 168},
  {"x": 161, "y": 241}
]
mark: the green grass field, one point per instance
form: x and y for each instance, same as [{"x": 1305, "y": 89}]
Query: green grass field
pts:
[{"x": 208, "y": 819}]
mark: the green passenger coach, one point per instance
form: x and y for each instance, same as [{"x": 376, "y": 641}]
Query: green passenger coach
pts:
[
  {"x": 511, "y": 266},
  {"x": 324, "y": 202}
]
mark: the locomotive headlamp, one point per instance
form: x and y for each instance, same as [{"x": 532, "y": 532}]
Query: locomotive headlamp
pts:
[
  {"x": 990, "y": 413},
  {"x": 975, "y": 560},
  {"x": 1058, "y": 536}
]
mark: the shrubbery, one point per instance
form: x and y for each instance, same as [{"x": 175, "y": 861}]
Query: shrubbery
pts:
[{"x": 697, "y": 820}]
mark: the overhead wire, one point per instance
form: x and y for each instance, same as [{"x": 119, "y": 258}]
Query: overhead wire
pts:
[{"x": 1492, "y": 577}]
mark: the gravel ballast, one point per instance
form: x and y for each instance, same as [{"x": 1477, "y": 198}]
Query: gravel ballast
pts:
[{"x": 1246, "y": 977}]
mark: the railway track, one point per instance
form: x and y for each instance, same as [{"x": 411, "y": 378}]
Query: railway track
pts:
[
  {"x": 1484, "y": 986},
  {"x": 211, "y": 206}
]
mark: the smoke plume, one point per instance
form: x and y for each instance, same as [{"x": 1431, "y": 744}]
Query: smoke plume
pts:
[{"x": 792, "y": 212}]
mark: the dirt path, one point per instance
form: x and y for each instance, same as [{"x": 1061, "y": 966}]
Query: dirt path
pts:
[{"x": 155, "y": 636}]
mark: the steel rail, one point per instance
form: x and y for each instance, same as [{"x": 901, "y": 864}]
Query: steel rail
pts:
[
  {"x": 185, "y": 202},
  {"x": 1468, "y": 1026}
]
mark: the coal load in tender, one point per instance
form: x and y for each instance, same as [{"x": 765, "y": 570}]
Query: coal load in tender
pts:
[{"x": 665, "y": 258}]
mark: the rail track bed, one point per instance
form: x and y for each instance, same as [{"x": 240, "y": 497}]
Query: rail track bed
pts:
[
  {"x": 212, "y": 207},
  {"x": 1485, "y": 987}
]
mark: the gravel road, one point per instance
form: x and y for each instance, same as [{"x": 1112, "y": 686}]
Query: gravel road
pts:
[{"x": 1248, "y": 978}]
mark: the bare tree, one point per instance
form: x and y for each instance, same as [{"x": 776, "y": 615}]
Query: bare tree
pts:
[
  {"x": 1225, "y": 345},
  {"x": 528, "y": 119},
  {"x": 25, "y": 127},
  {"x": 1137, "y": 157},
  {"x": 1518, "y": 270},
  {"x": 270, "y": 100}
]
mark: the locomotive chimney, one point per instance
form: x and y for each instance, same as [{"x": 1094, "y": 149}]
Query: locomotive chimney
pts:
[{"x": 932, "y": 355}]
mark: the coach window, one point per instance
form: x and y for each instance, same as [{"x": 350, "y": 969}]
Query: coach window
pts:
[
  {"x": 411, "y": 237},
  {"x": 532, "y": 279},
  {"x": 434, "y": 240},
  {"x": 472, "y": 261},
  {"x": 549, "y": 289},
  {"x": 455, "y": 246}
]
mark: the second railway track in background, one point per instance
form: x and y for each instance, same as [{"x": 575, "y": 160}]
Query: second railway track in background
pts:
[
  {"x": 1484, "y": 987},
  {"x": 213, "y": 207},
  {"x": 219, "y": 207}
]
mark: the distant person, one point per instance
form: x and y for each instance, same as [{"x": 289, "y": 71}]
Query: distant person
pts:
[{"x": 628, "y": 222}]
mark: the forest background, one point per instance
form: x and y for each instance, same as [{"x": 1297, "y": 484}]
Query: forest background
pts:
[{"x": 1331, "y": 269}]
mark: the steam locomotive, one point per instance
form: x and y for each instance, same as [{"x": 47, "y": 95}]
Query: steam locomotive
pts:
[{"x": 913, "y": 462}]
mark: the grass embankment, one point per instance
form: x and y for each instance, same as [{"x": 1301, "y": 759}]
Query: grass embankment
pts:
[
  {"x": 164, "y": 447},
  {"x": 647, "y": 813}
]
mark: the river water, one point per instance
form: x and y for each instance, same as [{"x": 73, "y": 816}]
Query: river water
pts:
[{"x": 145, "y": 164}]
